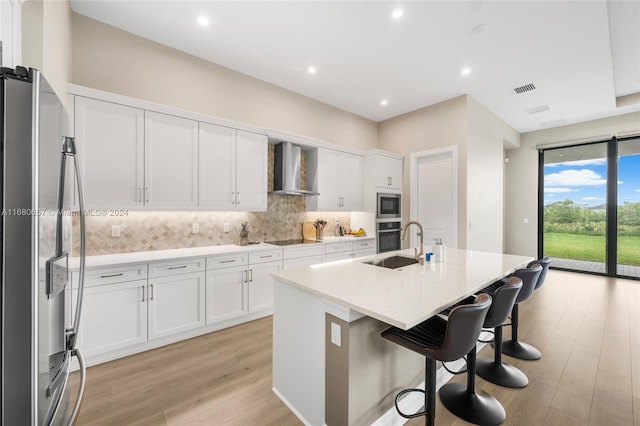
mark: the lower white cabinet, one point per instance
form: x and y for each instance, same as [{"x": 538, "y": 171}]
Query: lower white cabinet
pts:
[
  {"x": 176, "y": 304},
  {"x": 226, "y": 293},
  {"x": 114, "y": 316},
  {"x": 261, "y": 285}
]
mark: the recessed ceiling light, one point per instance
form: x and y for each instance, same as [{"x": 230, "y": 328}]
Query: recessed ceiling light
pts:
[
  {"x": 384, "y": 102},
  {"x": 465, "y": 71},
  {"x": 203, "y": 20},
  {"x": 397, "y": 13},
  {"x": 311, "y": 70}
]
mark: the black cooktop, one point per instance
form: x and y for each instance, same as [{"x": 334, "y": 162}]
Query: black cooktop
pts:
[{"x": 291, "y": 242}]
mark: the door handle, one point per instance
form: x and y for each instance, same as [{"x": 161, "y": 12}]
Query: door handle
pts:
[
  {"x": 177, "y": 267},
  {"x": 250, "y": 275},
  {"x": 244, "y": 273},
  {"x": 151, "y": 293},
  {"x": 147, "y": 190},
  {"x": 138, "y": 194},
  {"x": 142, "y": 293},
  {"x": 112, "y": 275}
]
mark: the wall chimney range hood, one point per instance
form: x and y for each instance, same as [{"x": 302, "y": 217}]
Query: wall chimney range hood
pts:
[{"x": 287, "y": 170}]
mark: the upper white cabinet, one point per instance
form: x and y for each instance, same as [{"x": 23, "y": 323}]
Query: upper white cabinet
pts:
[
  {"x": 110, "y": 139},
  {"x": 171, "y": 162},
  {"x": 339, "y": 180},
  {"x": 137, "y": 159},
  {"x": 233, "y": 169},
  {"x": 387, "y": 172}
]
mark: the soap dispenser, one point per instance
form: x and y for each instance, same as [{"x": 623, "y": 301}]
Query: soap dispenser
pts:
[
  {"x": 336, "y": 231},
  {"x": 439, "y": 251}
]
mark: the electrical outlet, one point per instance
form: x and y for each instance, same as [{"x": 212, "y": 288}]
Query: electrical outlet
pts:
[
  {"x": 115, "y": 231},
  {"x": 195, "y": 228},
  {"x": 336, "y": 337},
  {"x": 225, "y": 227}
]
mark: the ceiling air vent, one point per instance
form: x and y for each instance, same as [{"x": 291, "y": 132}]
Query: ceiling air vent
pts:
[{"x": 525, "y": 88}]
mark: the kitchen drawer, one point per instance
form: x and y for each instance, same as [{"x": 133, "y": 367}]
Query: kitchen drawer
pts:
[
  {"x": 175, "y": 267},
  {"x": 304, "y": 251},
  {"x": 227, "y": 260},
  {"x": 110, "y": 275},
  {"x": 265, "y": 256},
  {"x": 367, "y": 244},
  {"x": 338, "y": 247}
]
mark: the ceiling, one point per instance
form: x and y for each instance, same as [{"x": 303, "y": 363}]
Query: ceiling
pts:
[{"x": 579, "y": 55}]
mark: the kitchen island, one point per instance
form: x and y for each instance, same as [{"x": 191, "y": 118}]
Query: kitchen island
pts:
[{"x": 330, "y": 365}]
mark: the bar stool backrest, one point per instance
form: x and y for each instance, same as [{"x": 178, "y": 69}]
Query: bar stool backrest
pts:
[
  {"x": 503, "y": 300},
  {"x": 544, "y": 262},
  {"x": 529, "y": 277},
  {"x": 463, "y": 329}
]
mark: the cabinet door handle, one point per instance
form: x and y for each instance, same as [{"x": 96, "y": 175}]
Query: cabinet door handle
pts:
[
  {"x": 142, "y": 293},
  {"x": 250, "y": 275},
  {"x": 228, "y": 261},
  {"x": 266, "y": 256},
  {"x": 151, "y": 293},
  {"x": 147, "y": 191},
  {"x": 139, "y": 194},
  {"x": 244, "y": 273},
  {"x": 233, "y": 198},
  {"x": 112, "y": 275},
  {"x": 237, "y": 198},
  {"x": 177, "y": 267}
]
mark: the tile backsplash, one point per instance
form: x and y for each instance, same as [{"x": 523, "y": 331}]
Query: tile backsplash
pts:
[{"x": 145, "y": 231}]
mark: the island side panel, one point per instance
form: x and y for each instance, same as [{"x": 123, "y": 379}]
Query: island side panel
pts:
[
  {"x": 337, "y": 374},
  {"x": 298, "y": 352},
  {"x": 364, "y": 373}
]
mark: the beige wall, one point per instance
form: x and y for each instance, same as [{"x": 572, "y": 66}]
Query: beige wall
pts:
[
  {"x": 522, "y": 174},
  {"x": 488, "y": 134},
  {"x": 46, "y": 41},
  {"x": 436, "y": 126},
  {"x": 109, "y": 59}
]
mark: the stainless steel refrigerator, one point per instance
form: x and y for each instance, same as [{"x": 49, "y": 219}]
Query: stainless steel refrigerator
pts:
[{"x": 38, "y": 327}]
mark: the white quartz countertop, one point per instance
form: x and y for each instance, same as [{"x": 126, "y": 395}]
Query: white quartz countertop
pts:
[
  {"x": 406, "y": 296},
  {"x": 158, "y": 255}
]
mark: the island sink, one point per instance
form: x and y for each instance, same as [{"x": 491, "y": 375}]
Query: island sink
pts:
[{"x": 393, "y": 262}]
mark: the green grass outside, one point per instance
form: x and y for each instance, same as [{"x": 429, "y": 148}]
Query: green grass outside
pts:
[{"x": 591, "y": 248}]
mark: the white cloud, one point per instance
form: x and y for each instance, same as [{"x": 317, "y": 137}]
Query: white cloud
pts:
[
  {"x": 580, "y": 163},
  {"x": 638, "y": 190},
  {"x": 590, "y": 198},
  {"x": 583, "y": 177},
  {"x": 551, "y": 190}
]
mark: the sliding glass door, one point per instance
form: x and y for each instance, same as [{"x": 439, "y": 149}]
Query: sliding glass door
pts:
[
  {"x": 628, "y": 206},
  {"x": 590, "y": 207}
]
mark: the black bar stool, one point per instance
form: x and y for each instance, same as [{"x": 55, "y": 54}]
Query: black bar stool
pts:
[
  {"x": 514, "y": 347},
  {"x": 495, "y": 371},
  {"x": 544, "y": 262},
  {"x": 440, "y": 340}
]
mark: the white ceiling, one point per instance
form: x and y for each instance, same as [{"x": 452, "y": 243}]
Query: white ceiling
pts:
[{"x": 580, "y": 55}]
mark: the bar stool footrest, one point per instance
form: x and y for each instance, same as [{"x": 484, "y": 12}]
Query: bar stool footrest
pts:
[
  {"x": 477, "y": 408},
  {"x": 409, "y": 416}
]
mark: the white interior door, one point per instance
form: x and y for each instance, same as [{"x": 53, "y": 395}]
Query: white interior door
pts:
[{"x": 434, "y": 195}]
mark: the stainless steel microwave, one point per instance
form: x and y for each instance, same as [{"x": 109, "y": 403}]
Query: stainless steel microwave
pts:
[{"x": 388, "y": 206}]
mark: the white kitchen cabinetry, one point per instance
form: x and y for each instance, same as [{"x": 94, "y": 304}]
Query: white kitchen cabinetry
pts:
[
  {"x": 233, "y": 169},
  {"x": 363, "y": 248},
  {"x": 261, "y": 285},
  {"x": 171, "y": 162},
  {"x": 110, "y": 141},
  {"x": 350, "y": 249},
  {"x": 304, "y": 255},
  {"x": 387, "y": 172},
  {"x": 339, "y": 180},
  {"x": 227, "y": 282},
  {"x": 114, "y": 316},
  {"x": 176, "y": 297}
]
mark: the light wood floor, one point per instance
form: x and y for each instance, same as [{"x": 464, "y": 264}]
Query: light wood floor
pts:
[{"x": 587, "y": 327}]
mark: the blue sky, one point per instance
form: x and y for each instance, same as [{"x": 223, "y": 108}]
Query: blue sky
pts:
[{"x": 585, "y": 182}]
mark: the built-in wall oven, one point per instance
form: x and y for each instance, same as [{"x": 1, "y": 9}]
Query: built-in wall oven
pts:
[
  {"x": 388, "y": 206},
  {"x": 388, "y": 235}
]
